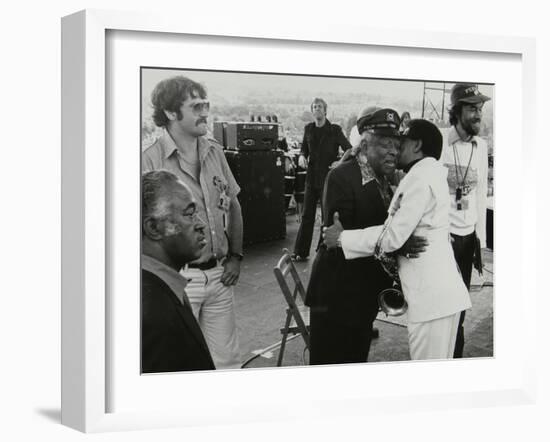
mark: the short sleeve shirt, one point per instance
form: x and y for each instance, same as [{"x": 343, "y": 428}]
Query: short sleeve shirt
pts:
[{"x": 214, "y": 189}]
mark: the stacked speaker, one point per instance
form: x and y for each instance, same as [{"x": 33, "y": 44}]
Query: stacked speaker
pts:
[{"x": 259, "y": 168}]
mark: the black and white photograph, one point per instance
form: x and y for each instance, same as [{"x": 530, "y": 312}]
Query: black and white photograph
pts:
[{"x": 293, "y": 220}]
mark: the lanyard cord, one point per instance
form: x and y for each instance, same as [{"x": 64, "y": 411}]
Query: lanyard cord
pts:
[{"x": 456, "y": 157}]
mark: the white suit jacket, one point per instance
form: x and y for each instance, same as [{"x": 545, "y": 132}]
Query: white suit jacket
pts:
[{"x": 421, "y": 204}]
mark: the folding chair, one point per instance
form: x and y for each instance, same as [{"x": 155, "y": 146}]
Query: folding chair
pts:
[{"x": 297, "y": 314}]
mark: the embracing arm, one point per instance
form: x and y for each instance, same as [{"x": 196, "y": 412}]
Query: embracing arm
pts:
[
  {"x": 359, "y": 243},
  {"x": 409, "y": 206}
]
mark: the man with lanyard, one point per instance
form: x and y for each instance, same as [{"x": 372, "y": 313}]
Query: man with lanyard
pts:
[
  {"x": 319, "y": 153},
  {"x": 465, "y": 156},
  {"x": 181, "y": 108}
]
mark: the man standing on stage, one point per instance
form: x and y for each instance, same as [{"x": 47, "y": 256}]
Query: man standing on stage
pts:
[
  {"x": 465, "y": 156},
  {"x": 181, "y": 108},
  {"x": 319, "y": 153}
]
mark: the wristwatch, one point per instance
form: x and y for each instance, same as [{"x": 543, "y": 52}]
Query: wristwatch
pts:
[{"x": 239, "y": 256}]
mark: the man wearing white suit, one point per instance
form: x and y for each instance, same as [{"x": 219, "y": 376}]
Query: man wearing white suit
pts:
[{"x": 431, "y": 282}]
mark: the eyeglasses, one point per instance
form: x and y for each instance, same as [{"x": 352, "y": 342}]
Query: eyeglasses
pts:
[{"x": 199, "y": 108}]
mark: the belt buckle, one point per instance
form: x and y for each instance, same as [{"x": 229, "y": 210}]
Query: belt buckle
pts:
[
  {"x": 207, "y": 265},
  {"x": 210, "y": 264}
]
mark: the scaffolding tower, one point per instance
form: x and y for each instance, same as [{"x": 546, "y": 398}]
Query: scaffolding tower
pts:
[{"x": 433, "y": 102}]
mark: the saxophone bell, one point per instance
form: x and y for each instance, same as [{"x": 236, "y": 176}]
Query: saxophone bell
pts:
[{"x": 392, "y": 301}]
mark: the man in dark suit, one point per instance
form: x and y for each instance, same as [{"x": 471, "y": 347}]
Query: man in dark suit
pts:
[
  {"x": 172, "y": 235},
  {"x": 343, "y": 295},
  {"x": 319, "y": 153}
]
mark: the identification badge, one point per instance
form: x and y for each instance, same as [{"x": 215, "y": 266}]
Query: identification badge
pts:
[{"x": 224, "y": 202}]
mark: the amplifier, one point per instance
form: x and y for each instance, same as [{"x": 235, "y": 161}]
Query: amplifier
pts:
[
  {"x": 219, "y": 132},
  {"x": 261, "y": 176},
  {"x": 248, "y": 135}
]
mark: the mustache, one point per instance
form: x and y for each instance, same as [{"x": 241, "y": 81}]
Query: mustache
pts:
[{"x": 200, "y": 121}]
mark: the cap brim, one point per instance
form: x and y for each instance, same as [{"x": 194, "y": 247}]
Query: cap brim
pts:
[
  {"x": 475, "y": 99},
  {"x": 386, "y": 131}
]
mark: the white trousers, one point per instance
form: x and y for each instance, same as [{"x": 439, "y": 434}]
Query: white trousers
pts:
[
  {"x": 433, "y": 339},
  {"x": 213, "y": 306}
]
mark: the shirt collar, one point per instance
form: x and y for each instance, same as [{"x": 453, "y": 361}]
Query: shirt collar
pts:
[
  {"x": 324, "y": 126},
  {"x": 169, "y": 146},
  {"x": 367, "y": 173},
  {"x": 411, "y": 164},
  {"x": 173, "y": 279},
  {"x": 205, "y": 146}
]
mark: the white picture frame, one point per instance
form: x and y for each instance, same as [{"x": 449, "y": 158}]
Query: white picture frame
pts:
[{"x": 86, "y": 206}]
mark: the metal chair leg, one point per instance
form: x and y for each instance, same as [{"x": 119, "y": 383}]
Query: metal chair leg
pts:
[{"x": 285, "y": 335}]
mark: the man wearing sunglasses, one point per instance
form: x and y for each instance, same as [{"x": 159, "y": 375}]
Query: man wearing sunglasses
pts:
[{"x": 181, "y": 108}]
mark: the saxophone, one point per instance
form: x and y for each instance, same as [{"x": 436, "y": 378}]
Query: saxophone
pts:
[{"x": 391, "y": 301}]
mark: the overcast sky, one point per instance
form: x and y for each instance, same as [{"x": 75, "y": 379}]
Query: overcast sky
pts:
[{"x": 233, "y": 85}]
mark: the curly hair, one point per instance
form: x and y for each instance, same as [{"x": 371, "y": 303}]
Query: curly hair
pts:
[
  {"x": 454, "y": 113},
  {"x": 170, "y": 94}
]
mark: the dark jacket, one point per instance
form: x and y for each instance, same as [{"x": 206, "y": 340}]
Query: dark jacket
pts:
[
  {"x": 171, "y": 339},
  {"x": 348, "y": 289},
  {"x": 320, "y": 156}
]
